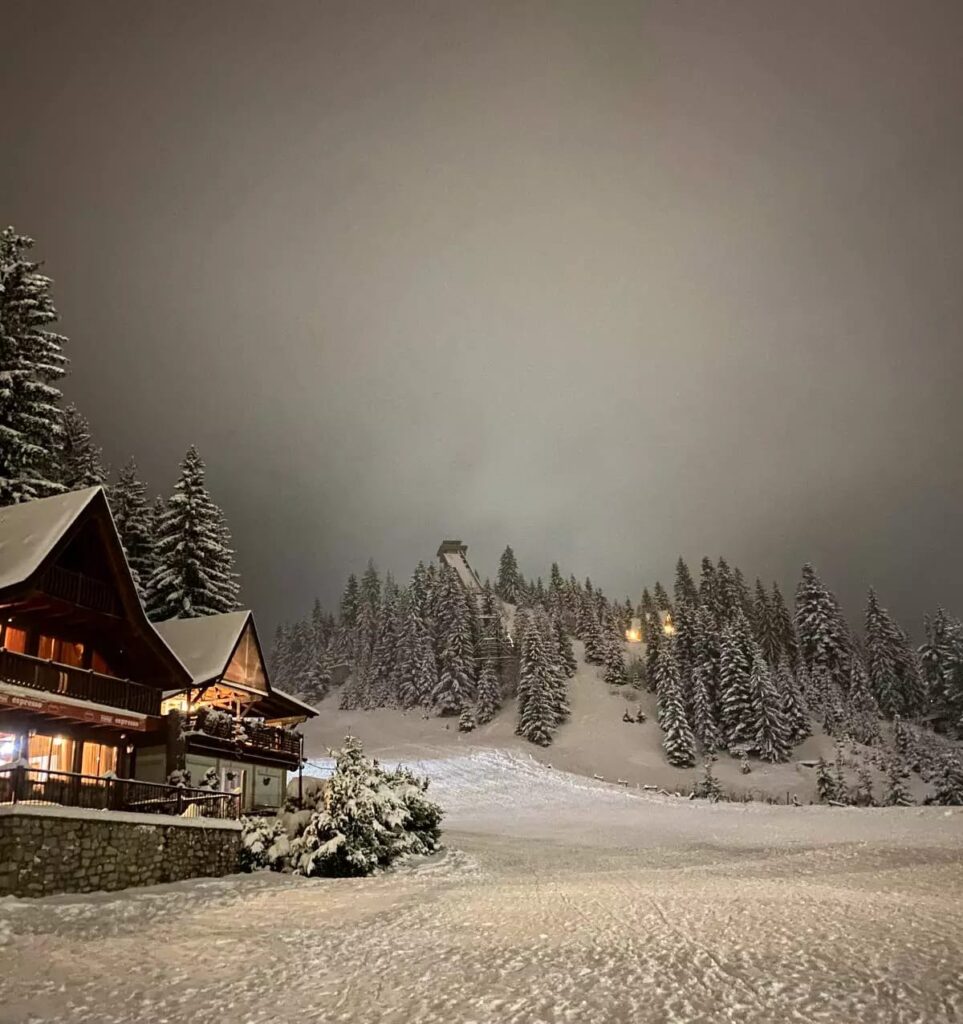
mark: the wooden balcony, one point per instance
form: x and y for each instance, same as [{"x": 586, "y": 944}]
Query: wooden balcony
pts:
[
  {"x": 244, "y": 734},
  {"x": 78, "y": 683},
  {"x": 80, "y": 590}
]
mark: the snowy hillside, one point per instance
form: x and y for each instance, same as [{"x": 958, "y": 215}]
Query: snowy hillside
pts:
[{"x": 594, "y": 742}]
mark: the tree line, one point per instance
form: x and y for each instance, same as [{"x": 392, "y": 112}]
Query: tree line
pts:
[{"x": 179, "y": 549}]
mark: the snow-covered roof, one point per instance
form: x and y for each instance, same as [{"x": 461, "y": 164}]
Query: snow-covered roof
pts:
[
  {"x": 204, "y": 644},
  {"x": 29, "y": 531},
  {"x": 457, "y": 561}
]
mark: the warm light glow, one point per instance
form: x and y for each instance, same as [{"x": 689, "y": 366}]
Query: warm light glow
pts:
[
  {"x": 634, "y": 636},
  {"x": 667, "y": 626},
  {"x": 57, "y": 740}
]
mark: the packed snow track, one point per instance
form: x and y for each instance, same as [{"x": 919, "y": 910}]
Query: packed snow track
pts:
[{"x": 558, "y": 899}]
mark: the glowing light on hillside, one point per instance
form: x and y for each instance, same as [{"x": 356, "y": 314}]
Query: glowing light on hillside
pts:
[{"x": 634, "y": 636}]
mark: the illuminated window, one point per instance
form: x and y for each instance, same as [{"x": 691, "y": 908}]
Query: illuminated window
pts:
[
  {"x": 15, "y": 640},
  {"x": 51, "y": 753},
  {"x": 246, "y": 668},
  {"x": 9, "y": 744},
  {"x": 98, "y": 664},
  {"x": 52, "y": 648},
  {"x": 98, "y": 759}
]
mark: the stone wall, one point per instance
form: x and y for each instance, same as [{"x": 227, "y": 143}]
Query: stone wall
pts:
[{"x": 45, "y": 850}]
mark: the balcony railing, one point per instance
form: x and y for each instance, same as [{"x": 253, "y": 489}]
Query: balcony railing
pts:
[
  {"x": 244, "y": 733},
  {"x": 22, "y": 785},
  {"x": 81, "y": 590},
  {"x": 78, "y": 683}
]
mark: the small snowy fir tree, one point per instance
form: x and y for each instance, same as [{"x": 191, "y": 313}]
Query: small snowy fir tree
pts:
[
  {"x": 897, "y": 794},
  {"x": 771, "y": 739},
  {"x": 892, "y": 667},
  {"x": 825, "y": 782},
  {"x": 949, "y": 781},
  {"x": 613, "y": 654},
  {"x": 195, "y": 566},
  {"x": 862, "y": 720},
  {"x": 368, "y": 818},
  {"x": 707, "y": 788},
  {"x": 31, "y": 362},
  {"x": 456, "y": 665},
  {"x": 563, "y": 646},
  {"x": 823, "y": 636},
  {"x": 792, "y": 702},
  {"x": 678, "y": 741},
  {"x": 132, "y": 517},
  {"x": 466, "y": 720},
  {"x": 508, "y": 582},
  {"x": 81, "y": 461},
  {"x": 735, "y": 693},
  {"x": 594, "y": 638},
  {"x": 538, "y": 712},
  {"x": 489, "y": 694}
]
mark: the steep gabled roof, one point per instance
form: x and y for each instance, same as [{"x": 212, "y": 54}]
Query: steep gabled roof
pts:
[
  {"x": 30, "y": 531},
  {"x": 33, "y": 534},
  {"x": 206, "y": 645}
]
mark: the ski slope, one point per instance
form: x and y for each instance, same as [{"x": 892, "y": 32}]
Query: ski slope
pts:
[{"x": 558, "y": 899}]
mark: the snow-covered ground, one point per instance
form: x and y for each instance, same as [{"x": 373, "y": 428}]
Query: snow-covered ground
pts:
[{"x": 559, "y": 899}]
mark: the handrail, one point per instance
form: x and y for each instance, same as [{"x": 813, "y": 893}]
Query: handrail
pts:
[
  {"x": 245, "y": 733},
  {"x": 22, "y": 784},
  {"x": 79, "y": 683}
]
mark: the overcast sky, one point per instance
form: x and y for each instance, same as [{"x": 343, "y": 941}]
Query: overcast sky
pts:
[{"x": 610, "y": 282}]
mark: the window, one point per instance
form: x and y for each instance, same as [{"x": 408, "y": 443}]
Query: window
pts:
[
  {"x": 15, "y": 640},
  {"x": 245, "y": 667},
  {"x": 98, "y": 759},
  {"x": 98, "y": 664},
  {"x": 9, "y": 747},
  {"x": 52, "y": 648},
  {"x": 51, "y": 753}
]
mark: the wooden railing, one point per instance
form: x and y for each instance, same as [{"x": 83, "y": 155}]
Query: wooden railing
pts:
[
  {"x": 81, "y": 590},
  {"x": 79, "y": 683},
  {"x": 22, "y": 785},
  {"x": 243, "y": 732}
]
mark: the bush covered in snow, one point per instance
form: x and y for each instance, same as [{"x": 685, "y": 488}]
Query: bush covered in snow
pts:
[
  {"x": 264, "y": 844},
  {"x": 368, "y": 817}
]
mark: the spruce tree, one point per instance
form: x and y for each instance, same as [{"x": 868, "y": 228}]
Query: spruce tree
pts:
[
  {"x": 949, "y": 781},
  {"x": 508, "y": 583},
  {"x": 704, "y": 724},
  {"x": 456, "y": 662},
  {"x": 825, "y": 783},
  {"x": 897, "y": 794},
  {"x": 684, "y": 589},
  {"x": 31, "y": 363},
  {"x": 771, "y": 738},
  {"x": 941, "y": 659},
  {"x": 81, "y": 461},
  {"x": 792, "y": 702},
  {"x": 563, "y": 648},
  {"x": 613, "y": 654},
  {"x": 784, "y": 627},
  {"x": 661, "y": 598},
  {"x": 735, "y": 692},
  {"x": 489, "y": 694},
  {"x": 594, "y": 638},
  {"x": 823, "y": 636},
  {"x": 707, "y": 585},
  {"x": 194, "y": 574},
  {"x": 132, "y": 517},
  {"x": 678, "y": 741},
  {"x": 863, "y": 716},
  {"x": 537, "y": 690},
  {"x": 893, "y": 670}
]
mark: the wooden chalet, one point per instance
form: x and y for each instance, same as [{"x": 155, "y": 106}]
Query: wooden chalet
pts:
[
  {"x": 82, "y": 670},
  {"x": 229, "y": 717}
]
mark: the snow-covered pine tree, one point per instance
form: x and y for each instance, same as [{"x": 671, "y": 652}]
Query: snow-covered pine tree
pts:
[
  {"x": 538, "y": 714},
  {"x": 766, "y": 626},
  {"x": 897, "y": 794},
  {"x": 508, "y": 583},
  {"x": 678, "y": 741},
  {"x": 704, "y": 724},
  {"x": 705, "y": 680},
  {"x": 793, "y": 702},
  {"x": 456, "y": 663},
  {"x": 369, "y": 592},
  {"x": 661, "y": 598},
  {"x": 81, "y": 461},
  {"x": 684, "y": 589},
  {"x": 563, "y": 647},
  {"x": 736, "y": 715},
  {"x": 862, "y": 709},
  {"x": 489, "y": 694},
  {"x": 823, "y": 637},
  {"x": 941, "y": 659},
  {"x": 613, "y": 653},
  {"x": 949, "y": 781},
  {"x": 726, "y": 597},
  {"x": 594, "y": 638},
  {"x": 31, "y": 363},
  {"x": 350, "y": 602},
  {"x": 785, "y": 627},
  {"x": 132, "y": 517},
  {"x": 707, "y": 788},
  {"x": 384, "y": 657},
  {"x": 825, "y": 782},
  {"x": 707, "y": 585},
  {"x": 893, "y": 670},
  {"x": 771, "y": 739},
  {"x": 194, "y": 574}
]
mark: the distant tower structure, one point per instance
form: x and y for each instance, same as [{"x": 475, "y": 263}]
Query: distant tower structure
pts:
[{"x": 454, "y": 553}]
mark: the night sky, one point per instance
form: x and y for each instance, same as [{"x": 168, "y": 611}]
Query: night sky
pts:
[{"x": 610, "y": 282}]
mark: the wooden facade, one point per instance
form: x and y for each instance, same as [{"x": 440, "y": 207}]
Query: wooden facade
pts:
[{"x": 82, "y": 670}]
